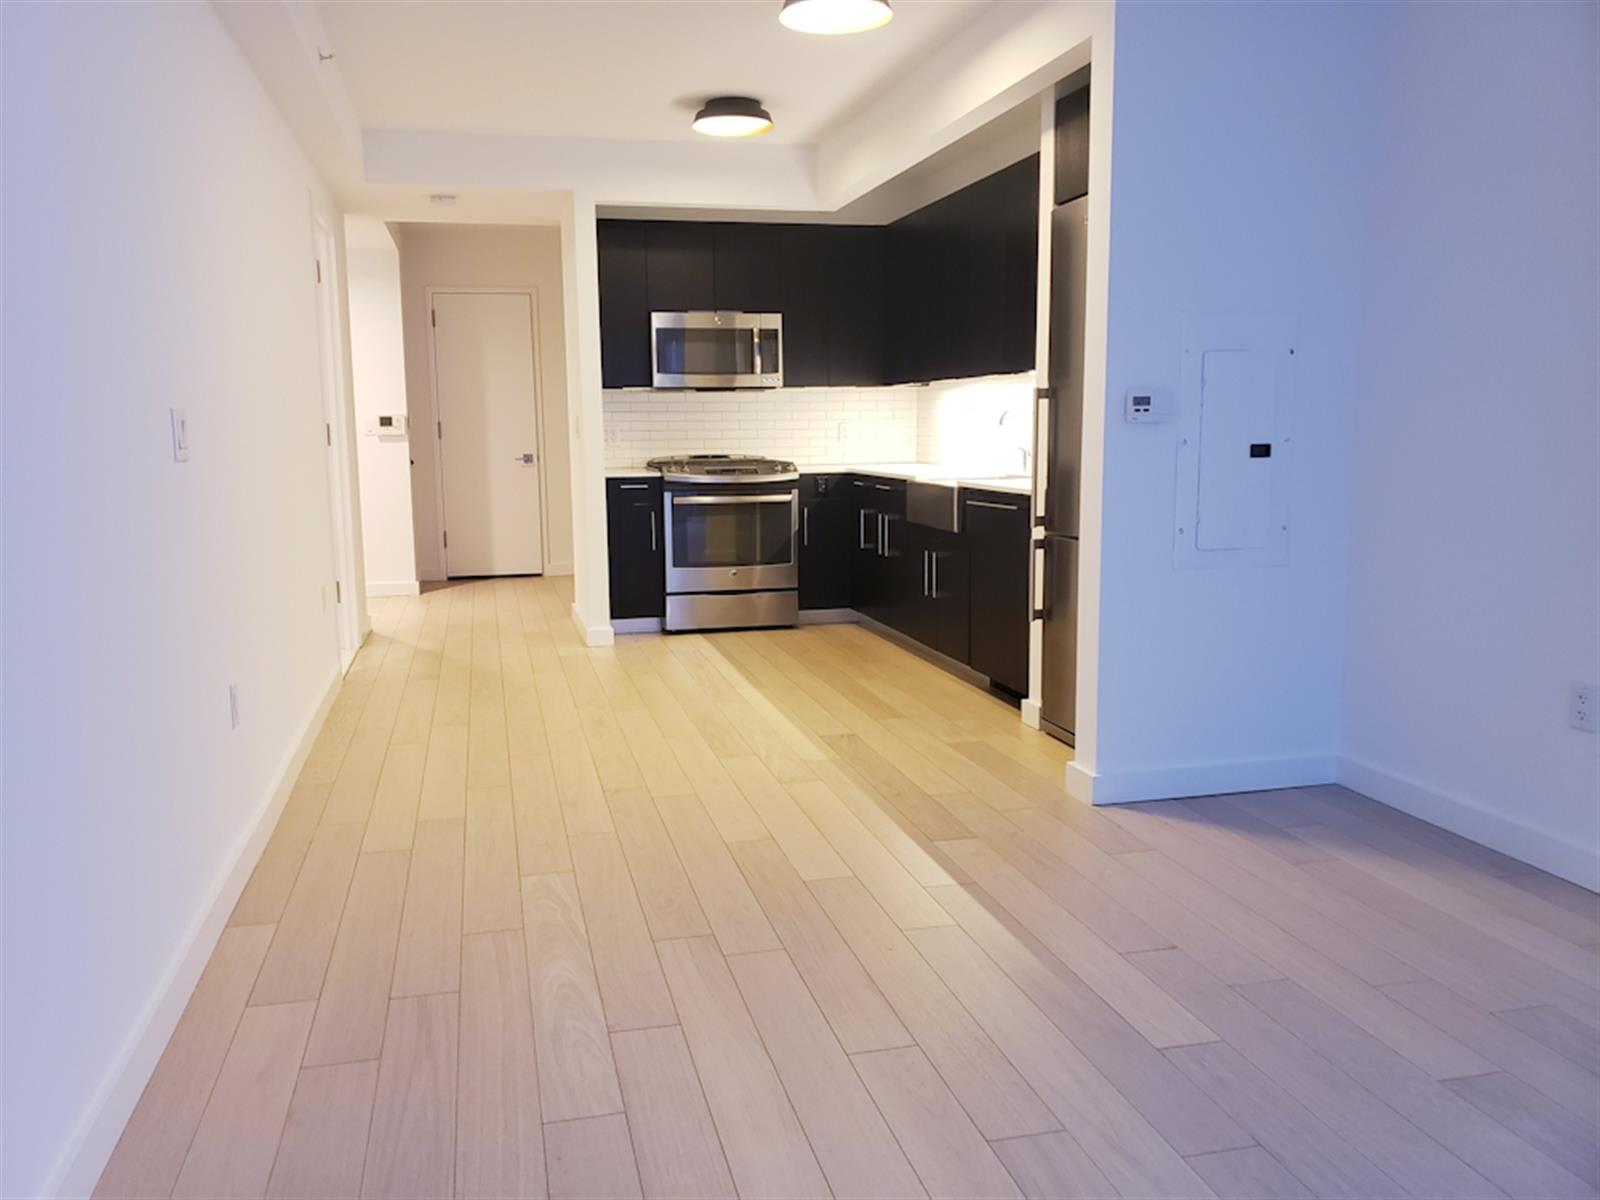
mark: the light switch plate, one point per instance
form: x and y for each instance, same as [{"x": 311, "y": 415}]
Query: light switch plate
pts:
[{"x": 180, "y": 435}]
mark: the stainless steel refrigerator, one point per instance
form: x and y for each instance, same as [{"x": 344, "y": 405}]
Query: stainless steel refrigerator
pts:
[{"x": 1062, "y": 458}]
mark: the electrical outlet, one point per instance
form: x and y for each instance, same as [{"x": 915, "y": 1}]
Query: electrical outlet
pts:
[
  {"x": 233, "y": 706},
  {"x": 1582, "y": 710}
]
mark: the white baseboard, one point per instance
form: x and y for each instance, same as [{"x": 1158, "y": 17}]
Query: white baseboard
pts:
[
  {"x": 1572, "y": 861},
  {"x": 393, "y": 587},
  {"x": 829, "y": 616},
  {"x": 636, "y": 625},
  {"x": 1201, "y": 779},
  {"x": 1031, "y": 716},
  {"x": 593, "y": 635},
  {"x": 91, "y": 1144}
]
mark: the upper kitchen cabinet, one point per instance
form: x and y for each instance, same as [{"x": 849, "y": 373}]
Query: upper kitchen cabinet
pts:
[
  {"x": 856, "y": 267},
  {"x": 1072, "y": 145},
  {"x": 962, "y": 280},
  {"x": 680, "y": 268},
  {"x": 624, "y": 304},
  {"x": 809, "y": 304},
  {"x": 747, "y": 268}
]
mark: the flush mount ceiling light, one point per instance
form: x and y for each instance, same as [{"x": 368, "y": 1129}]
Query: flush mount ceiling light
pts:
[
  {"x": 835, "y": 16},
  {"x": 732, "y": 116}
]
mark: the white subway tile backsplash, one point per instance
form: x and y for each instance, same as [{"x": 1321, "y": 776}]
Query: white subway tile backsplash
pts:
[{"x": 959, "y": 423}]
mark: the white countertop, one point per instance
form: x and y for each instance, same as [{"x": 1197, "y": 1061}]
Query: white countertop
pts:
[{"x": 1019, "y": 485}]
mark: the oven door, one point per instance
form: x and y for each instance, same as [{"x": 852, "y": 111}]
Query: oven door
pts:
[
  {"x": 716, "y": 349},
  {"x": 731, "y": 541}
]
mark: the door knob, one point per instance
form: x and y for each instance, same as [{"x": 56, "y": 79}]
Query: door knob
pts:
[{"x": 524, "y": 458}]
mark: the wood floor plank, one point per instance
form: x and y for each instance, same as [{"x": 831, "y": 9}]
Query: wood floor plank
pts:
[
  {"x": 1502, "y": 1043},
  {"x": 577, "y": 1077},
  {"x": 1050, "y": 1165},
  {"x": 813, "y": 857},
  {"x": 1560, "y": 1134},
  {"x": 267, "y": 892},
  {"x": 949, "y": 1153},
  {"x": 304, "y": 936},
  {"x": 1565, "y": 1035},
  {"x": 1324, "y": 1162},
  {"x": 765, "y": 1143},
  {"x": 536, "y": 812},
  {"x": 1481, "y": 1142},
  {"x": 492, "y": 893},
  {"x": 1116, "y": 1135},
  {"x": 591, "y": 1158},
  {"x": 730, "y": 811},
  {"x": 499, "y": 1132},
  {"x": 891, "y": 885},
  {"x": 350, "y": 798},
  {"x": 411, "y": 1147},
  {"x": 1148, "y": 1009},
  {"x": 324, "y": 1144},
  {"x": 860, "y": 1016},
  {"x": 354, "y": 1003},
  {"x": 444, "y": 774},
  {"x": 583, "y": 800},
  {"x": 736, "y": 919},
  {"x": 1396, "y": 1146},
  {"x": 1248, "y": 1174},
  {"x": 657, "y": 765},
  {"x": 674, "y": 1138},
  {"x": 920, "y": 856},
  {"x": 148, "y": 1156},
  {"x": 393, "y": 821},
  {"x": 429, "y": 955},
  {"x": 670, "y": 905},
  {"x": 854, "y": 1147},
  {"x": 632, "y": 988},
  {"x": 233, "y": 1148},
  {"x": 1189, "y": 1121},
  {"x": 989, "y": 1087}
]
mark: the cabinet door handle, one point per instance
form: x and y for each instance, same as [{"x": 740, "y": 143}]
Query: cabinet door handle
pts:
[
  {"x": 652, "y": 530},
  {"x": 861, "y": 541},
  {"x": 1041, "y": 560},
  {"x": 805, "y": 526},
  {"x": 883, "y": 535},
  {"x": 628, "y": 487},
  {"x": 992, "y": 504},
  {"x": 883, "y": 487},
  {"x": 925, "y": 557},
  {"x": 933, "y": 585}
]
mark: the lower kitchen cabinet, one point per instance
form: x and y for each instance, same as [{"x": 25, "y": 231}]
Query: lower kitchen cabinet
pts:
[
  {"x": 633, "y": 537},
  {"x": 998, "y": 534},
  {"x": 879, "y": 568},
  {"x": 940, "y": 608},
  {"x": 827, "y": 540}
]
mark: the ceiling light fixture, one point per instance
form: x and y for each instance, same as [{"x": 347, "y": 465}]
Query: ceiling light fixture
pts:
[
  {"x": 732, "y": 116},
  {"x": 835, "y": 16}
]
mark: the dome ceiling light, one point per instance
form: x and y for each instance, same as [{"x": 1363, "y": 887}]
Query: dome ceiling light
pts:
[
  {"x": 835, "y": 16},
  {"x": 732, "y": 116}
]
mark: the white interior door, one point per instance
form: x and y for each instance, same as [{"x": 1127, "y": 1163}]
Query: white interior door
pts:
[{"x": 488, "y": 433}]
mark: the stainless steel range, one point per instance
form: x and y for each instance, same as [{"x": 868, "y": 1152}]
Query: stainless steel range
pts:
[{"x": 732, "y": 550}]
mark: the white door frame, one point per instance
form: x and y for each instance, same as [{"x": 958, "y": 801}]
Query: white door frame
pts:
[
  {"x": 438, "y": 419},
  {"x": 330, "y": 350}
]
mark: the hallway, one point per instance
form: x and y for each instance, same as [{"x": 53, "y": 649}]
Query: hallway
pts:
[{"x": 792, "y": 913}]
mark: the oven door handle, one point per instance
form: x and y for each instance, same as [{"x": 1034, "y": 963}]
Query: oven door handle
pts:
[{"x": 783, "y": 498}]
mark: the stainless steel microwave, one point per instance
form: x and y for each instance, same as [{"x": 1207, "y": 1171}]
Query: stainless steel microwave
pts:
[{"x": 716, "y": 349}]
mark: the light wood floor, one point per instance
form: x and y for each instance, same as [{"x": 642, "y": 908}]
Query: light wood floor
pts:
[{"x": 793, "y": 913}]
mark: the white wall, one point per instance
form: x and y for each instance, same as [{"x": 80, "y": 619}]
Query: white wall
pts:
[
  {"x": 1474, "y": 581},
  {"x": 1240, "y": 149},
  {"x": 525, "y": 257},
  {"x": 377, "y": 359},
  {"x": 158, "y": 220}
]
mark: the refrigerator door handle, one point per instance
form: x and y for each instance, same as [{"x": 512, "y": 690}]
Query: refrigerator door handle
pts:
[
  {"x": 1041, "y": 563},
  {"x": 1041, "y": 452}
]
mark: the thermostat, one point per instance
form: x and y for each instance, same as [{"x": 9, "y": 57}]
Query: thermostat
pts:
[
  {"x": 387, "y": 426},
  {"x": 1148, "y": 405}
]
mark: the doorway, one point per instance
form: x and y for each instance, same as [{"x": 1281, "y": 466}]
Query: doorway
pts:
[
  {"x": 347, "y": 620},
  {"x": 487, "y": 426}
]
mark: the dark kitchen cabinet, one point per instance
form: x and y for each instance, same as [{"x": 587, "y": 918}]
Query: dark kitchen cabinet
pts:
[
  {"x": 856, "y": 263},
  {"x": 747, "y": 266},
  {"x": 827, "y": 540},
  {"x": 934, "y": 604},
  {"x": 633, "y": 537},
  {"x": 1072, "y": 144},
  {"x": 998, "y": 535},
  {"x": 809, "y": 310},
  {"x": 624, "y": 304},
  {"x": 880, "y": 570},
  {"x": 680, "y": 266}
]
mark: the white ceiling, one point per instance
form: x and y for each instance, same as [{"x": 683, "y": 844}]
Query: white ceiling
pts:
[{"x": 634, "y": 69}]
